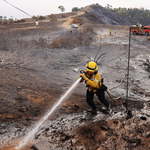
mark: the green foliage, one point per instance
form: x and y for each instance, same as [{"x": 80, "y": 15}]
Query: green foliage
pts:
[
  {"x": 61, "y": 8},
  {"x": 75, "y": 9},
  {"x": 136, "y": 15}
]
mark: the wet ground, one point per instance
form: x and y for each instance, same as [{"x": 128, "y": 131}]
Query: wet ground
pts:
[{"x": 33, "y": 80}]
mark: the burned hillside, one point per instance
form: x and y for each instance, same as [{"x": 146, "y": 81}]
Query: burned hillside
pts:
[
  {"x": 101, "y": 15},
  {"x": 116, "y": 16}
]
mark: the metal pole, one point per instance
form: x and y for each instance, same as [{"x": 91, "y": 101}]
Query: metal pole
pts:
[{"x": 128, "y": 70}]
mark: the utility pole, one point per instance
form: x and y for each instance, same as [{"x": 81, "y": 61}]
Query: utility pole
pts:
[{"x": 128, "y": 70}]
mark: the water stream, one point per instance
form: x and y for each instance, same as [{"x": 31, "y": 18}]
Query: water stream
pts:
[{"x": 32, "y": 132}]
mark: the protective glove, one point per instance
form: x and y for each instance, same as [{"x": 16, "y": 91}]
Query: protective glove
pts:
[
  {"x": 104, "y": 88},
  {"x": 84, "y": 76}
]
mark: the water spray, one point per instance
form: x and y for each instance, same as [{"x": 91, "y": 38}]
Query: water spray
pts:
[{"x": 32, "y": 132}]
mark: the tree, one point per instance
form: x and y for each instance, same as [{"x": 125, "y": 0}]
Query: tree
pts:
[
  {"x": 61, "y": 8},
  {"x": 1, "y": 17},
  {"x": 5, "y": 17},
  {"x": 75, "y": 9}
]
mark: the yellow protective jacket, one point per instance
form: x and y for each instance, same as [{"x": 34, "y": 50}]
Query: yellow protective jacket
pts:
[{"x": 94, "y": 82}]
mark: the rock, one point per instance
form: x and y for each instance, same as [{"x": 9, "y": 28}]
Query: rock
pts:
[
  {"x": 136, "y": 141},
  {"x": 141, "y": 91},
  {"x": 18, "y": 88},
  {"x": 68, "y": 78},
  {"x": 76, "y": 69},
  {"x": 76, "y": 106},
  {"x": 42, "y": 145},
  {"x": 37, "y": 136},
  {"x": 115, "y": 121},
  {"x": 134, "y": 92},
  {"x": 22, "y": 109},
  {"x": 130, "y": 112},
  {"x": 147, "y": 94},
  {"x": 143, "y": 118},
  {"x": 47, "y": 129},
  {"x": 105, "y": 127},
  {"x": 148, "y": 135}
]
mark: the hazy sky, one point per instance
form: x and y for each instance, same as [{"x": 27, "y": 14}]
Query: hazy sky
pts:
[{"x": 47, "y": 7}]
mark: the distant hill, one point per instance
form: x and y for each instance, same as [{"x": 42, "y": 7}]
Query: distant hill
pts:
[{"x": 98, "y": 14}]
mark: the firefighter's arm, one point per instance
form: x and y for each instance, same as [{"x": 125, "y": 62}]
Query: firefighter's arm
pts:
[
  {"x": 96, "y": 83},
  {"x": 83, "y": 78},
  {"x": 93, "y": 84}
]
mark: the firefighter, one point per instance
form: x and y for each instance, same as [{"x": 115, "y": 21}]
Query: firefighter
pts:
[
  {"x": 95, "y": 86},
  {"x": 109, "y": 32}
]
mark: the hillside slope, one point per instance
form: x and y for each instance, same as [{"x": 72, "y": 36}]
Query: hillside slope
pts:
[{"x": 98, "y": 14}]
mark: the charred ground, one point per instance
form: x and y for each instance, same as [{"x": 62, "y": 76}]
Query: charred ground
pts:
[{"x": 34, "y": 76}]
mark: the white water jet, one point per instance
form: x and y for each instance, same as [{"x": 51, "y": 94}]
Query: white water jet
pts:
[{"x": 31, "y": 133}]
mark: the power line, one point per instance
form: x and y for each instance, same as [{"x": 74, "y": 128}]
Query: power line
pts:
[{"x": 17, "y": 8}]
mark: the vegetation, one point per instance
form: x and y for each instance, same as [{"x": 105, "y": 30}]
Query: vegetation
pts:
[
  {"x": 78, "y": 20},
  {"x": 53, "y": 20},
  {"x": 42, "y": 18},
  {"x": 76, "y": 9},
  {"x": 63, "y": 16},
  {"x": 133, "y": 14},
  {"x": 11, "y": 21},
  {"x": 52, "y": 16},
  {"x": 72, "y": 39},
  {"x": 34, "y": 17},
  {"x": 5, "y": 22},
  {"x": 61, "y": 8}
]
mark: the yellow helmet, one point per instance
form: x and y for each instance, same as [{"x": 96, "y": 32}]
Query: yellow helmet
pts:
[{"x": 91, "y": 66}]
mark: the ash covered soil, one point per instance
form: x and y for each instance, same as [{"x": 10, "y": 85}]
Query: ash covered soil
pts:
[{"x": 33, "y": 80}]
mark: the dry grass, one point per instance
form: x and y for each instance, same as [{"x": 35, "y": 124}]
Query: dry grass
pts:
[
  {"x": 12, "y": 41},
  {"x": 72, "y": 39},
  {"x": 52, "y": 16},
  {"x": 53, "y": 20},
  {"x": 42, "y": 17},
  {"x": 78, "y": 20}
]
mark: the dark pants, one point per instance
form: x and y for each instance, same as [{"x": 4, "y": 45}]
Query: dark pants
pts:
[{"x": 101, "y": 96}]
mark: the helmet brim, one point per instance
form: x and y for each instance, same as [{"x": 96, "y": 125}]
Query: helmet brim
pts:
[{"x": 91, "y": 70}]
